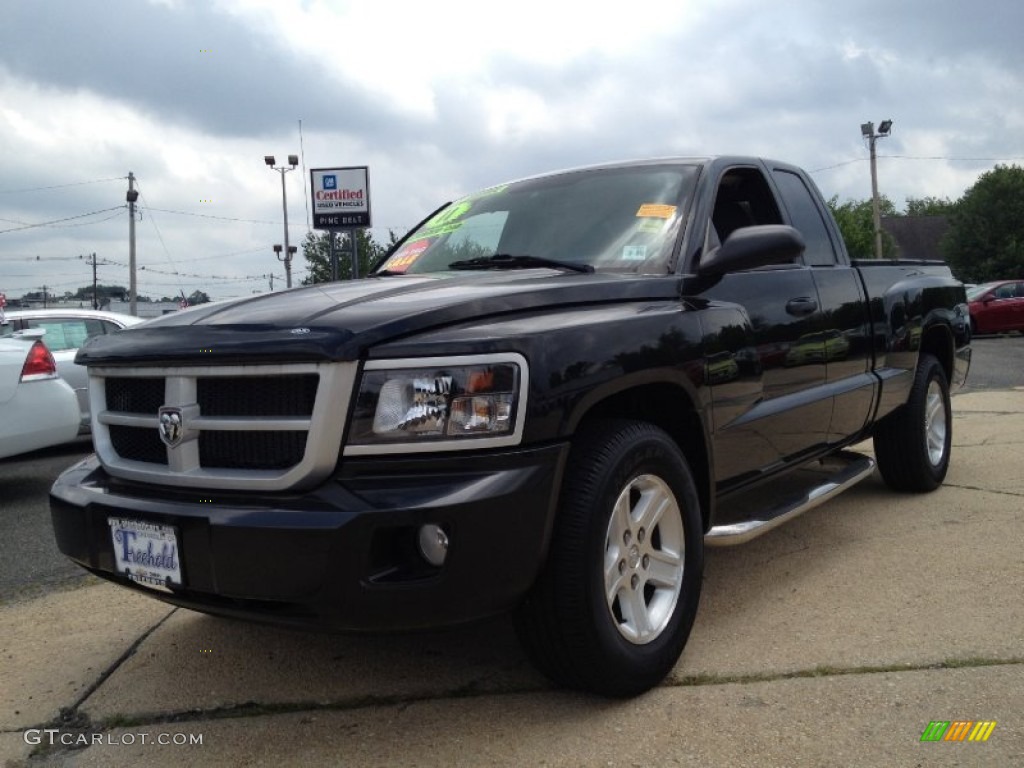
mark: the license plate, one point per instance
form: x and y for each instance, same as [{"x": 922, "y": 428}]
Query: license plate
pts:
[{"x": 147, "y": 553}]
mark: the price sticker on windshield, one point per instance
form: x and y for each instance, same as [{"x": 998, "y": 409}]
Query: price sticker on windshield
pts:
[
  {"x": 656, "y": 211},
  {"x": 405, "y": 256}
]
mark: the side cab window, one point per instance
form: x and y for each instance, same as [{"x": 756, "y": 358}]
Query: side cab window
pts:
[
  {"x": 805, "y": 215},
  {"x": 743, "y": 199},
  {"x": 1007, "y": 291}
]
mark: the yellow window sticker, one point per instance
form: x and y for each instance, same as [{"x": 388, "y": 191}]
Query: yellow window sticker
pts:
[{"x": 656, "y": 211}]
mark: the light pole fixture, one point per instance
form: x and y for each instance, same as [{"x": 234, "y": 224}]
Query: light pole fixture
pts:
[
  {"x": 293, "y": 160},
  {"x": 286, "y": 257},
  {"x": 867, "y": 130}
]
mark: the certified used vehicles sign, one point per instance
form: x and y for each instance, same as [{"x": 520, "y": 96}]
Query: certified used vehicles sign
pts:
[{"x": 341, "y": 197}]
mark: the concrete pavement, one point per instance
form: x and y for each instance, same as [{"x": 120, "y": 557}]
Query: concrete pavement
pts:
[{"x": 833, "y": 640}]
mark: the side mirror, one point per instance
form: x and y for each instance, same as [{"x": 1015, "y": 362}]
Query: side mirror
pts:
[{"x": 752, "y": 247}]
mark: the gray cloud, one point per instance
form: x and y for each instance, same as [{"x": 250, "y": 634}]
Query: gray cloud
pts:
[{"x": 188, "y": 65}]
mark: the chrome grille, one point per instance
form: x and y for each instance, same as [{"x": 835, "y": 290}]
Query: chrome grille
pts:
[{"x": 252, "y": 427}]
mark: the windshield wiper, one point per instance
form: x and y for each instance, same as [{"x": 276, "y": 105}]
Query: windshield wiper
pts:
[{"x": 514, "y": 261}]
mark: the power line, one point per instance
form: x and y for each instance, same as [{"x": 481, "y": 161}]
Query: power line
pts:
[
  {"x": 209, "y": 216},
  {"x": 922, "y": 157},
  {"x": 57, "y": 221},
  {"x": 839, "y": 165},
  {"x": 159, "y": 236},
  {"x": 223, "y": 255},
  {"x": 398, "y": 227},
  {"x": 959, "y": 159},
  {"x": 90, "y": 223},
  {"x": 58, "y": 186}
]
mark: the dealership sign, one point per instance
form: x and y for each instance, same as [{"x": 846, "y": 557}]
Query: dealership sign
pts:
[{"x": 341, "y": 197}]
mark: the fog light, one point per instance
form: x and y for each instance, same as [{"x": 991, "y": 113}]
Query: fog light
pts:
[{"x": 433, "y": 544}]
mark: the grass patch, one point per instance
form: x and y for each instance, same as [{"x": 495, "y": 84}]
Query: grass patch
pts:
[{"x": 826, "y": 670}]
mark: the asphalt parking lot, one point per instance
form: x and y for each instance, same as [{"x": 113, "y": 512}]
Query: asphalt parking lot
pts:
[{"x": 834, "y": 640}]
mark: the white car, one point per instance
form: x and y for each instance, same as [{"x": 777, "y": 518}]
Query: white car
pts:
[
  {"x": 66, "y": 330},
  {"x": 37, "y": 408}
]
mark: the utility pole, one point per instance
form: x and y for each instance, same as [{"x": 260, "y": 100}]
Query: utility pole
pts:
[
  {"x": 867, "y": 130},
  {"x": 355, "y": 253},
  {"x": 95, "y": 298},
  {"x": 133, "y": 195},
  {"x": 332, "y": 254}
]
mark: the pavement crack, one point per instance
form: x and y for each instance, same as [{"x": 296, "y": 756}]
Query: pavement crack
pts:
[
  {"x": 257, "y": 709},
  {"x": 105, "y": 675},
  {"x": 470, "y": 691},
  {"x": 1015, "y": 494},
  {"x": 831, "y": 671}
]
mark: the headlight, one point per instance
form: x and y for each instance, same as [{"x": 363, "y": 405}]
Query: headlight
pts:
[{"x": 434, "y": 404}]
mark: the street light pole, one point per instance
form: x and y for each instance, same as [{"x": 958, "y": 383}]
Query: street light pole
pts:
[
  {"x": 293, "y": 160},
  {"x": 867, "y": 130},
  {"x": 133, "y": 195}
]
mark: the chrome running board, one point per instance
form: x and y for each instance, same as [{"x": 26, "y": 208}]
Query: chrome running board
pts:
[{"x": 853, "y": 468}]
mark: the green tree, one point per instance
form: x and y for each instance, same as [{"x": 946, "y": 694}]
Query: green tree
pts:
[
  {"x": 929, "y": 206},
  {"x": 856, "y": 223},
  {"x": 986, "y": 228},
  {"x": 197, "y": 297},
  {"x": 316, "y": 251},
  {"x": 103, "y": 293}
]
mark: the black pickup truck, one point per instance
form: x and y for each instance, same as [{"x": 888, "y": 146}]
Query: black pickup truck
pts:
[{"x": 549, "y": 398}]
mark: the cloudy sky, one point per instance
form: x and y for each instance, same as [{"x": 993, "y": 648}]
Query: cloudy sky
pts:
[{"x": 442, "y": 98}]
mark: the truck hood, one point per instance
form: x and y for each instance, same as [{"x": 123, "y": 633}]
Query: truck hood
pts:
[{"x": 340, "y": 321}]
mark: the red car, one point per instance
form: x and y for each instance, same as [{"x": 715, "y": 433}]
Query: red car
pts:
[{"x": 997, "y": 307}]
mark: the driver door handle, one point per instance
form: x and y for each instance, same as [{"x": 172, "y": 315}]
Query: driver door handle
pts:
[{"x": 801, "y": 307}]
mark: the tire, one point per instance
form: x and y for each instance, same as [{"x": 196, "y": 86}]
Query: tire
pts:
[
  {"x": 614, "y": 605},
  {"x": 912, "y": 444}
]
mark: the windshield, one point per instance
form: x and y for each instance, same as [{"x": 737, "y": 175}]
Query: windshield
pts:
[{"x": 621, "y": 219}]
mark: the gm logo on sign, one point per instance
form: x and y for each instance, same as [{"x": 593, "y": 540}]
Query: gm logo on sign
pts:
[
  {"x": 958, "y": 730},
  {"x": 330, "y": 182}
]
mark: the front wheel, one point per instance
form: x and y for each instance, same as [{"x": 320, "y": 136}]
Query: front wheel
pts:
[
  {"x": 912, "y": 444},
  {"x": 617, "y": 598}
]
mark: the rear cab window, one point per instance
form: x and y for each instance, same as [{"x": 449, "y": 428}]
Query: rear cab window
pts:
[{"x": 805, "y": 216}]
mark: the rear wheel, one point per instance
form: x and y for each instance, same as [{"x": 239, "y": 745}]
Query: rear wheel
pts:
[
  {"x": 912, "y": 444},
  {"x": 615, "y": 603}
]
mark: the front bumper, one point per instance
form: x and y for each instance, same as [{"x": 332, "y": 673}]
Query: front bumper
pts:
[{"x": 343, "y": 556}]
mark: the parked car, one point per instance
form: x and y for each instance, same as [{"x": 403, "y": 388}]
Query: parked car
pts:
[
  {"x": 66, "y": 330},
  {"x": 37, "y": 408},
  {"x": 535, "y": 403},
  {"x": 997, "y": 307}
]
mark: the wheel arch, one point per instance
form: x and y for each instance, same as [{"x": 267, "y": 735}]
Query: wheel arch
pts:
[
  {"x": 668, "y": 406},
  {"x": 937, "y": 340}
]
